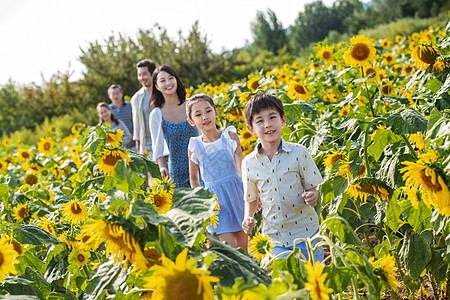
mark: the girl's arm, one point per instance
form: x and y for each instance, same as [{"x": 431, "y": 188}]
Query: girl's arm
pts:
[
  {"x": 249, "y": 222},
  {"x": 193, "y": 172},
  {"x": 162, "y": 166},
  {"x": 238, "y": 156}
]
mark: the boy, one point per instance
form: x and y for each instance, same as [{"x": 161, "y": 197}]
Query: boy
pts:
[{"x": 283, "y": 175}]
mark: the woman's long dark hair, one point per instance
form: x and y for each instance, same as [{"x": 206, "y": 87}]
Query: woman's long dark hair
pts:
[
  {"x": 157, "y": 99},
  {"x": 113, "y": 118}
]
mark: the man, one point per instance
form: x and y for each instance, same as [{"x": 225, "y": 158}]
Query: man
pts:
[
  {"x": 141, "y": 107},
  {"x": 121, "y": 110}
]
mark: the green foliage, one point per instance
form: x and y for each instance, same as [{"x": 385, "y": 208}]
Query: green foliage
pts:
[{"x": 268, "y": 33}]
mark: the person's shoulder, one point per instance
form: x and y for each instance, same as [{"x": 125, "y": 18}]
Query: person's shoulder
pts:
[
  {"x": 140, "y": 92},
  {"x": 250, "y": 157},
  {"x": 295, "y": 147}
]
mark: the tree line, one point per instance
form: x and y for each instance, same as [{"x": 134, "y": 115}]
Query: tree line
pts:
[{"x": 113, "y": 59}]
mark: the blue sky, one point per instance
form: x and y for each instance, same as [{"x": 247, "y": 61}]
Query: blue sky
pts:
[{"x": 41, "y": 37}]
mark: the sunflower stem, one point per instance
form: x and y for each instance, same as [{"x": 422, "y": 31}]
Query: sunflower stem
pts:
[
  {"x": 433, "y": 285},
  {"x": 366, "y": 155},
  {"x": 397, "y": 260},
  {"x": 355, "y": 289},
  {"x": 410, "y": 147},
  {"x": 368, "y": 96}
]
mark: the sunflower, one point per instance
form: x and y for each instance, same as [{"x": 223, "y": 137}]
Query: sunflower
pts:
[
  {"x": 214, "y": 219},
  {"x": 331, "y": 158},
  {"x": 45, "y": 146},
  {"x": 77, "y": 128},
  {"x": 325, "y": 54},
  {"x": 398, "y": 38},
  {"x": 388, "y": 58},
  {"x": 385, "y": 268},
  {"x": 345, "y": 110},
  {"x": 78, "y": 258},
  {"x": 114, "y": 138},
  {"x": 75, "y": 212},
  {"x": 120, "y": 243},
  {"x": 295, "y": 65},
  {"x": 385, "y": 43},
  {"x": 23, "y": 154},
  {"x": 429, "y": 157},
  {"x": 398, "y": 68},
  {"x": 297, "y": 90},
  {"x": 208, "y": 89},
  {"x": 417, "y": 140},
  {"x": 425, "y": 56},
  {"x": 109, "y": 159},
  {"x": 407, "y": 69},
  {"x": 260, "y": 245},
  {"x": 85, "y": 242},
  {"x": 364, "y": 187},
  {"x": 152, "y": 256},
  {"x": 69, "y": 240},
  {"x": 411, "y": 195},
  {"x": 6, "y": 142},
  {"x": 180, "y": 280},
  {"x": 386, "y": 89},
  {"x": 253, "y": 84},
  {"x": 362, "y": 52},
  {"x": 246, "y": 137},
  {"x": 415, "y": 36},
  {"x": 7, "y": 258},
  {"x": 31, "y": 179},
  {"x": 429, "y": 183},
  {"x": 344, "y": 169},
  {"x": 161, "y": 199},
  {"x": 316, "y": 279},
  {"x": 3, "y": 165},
  {"x": 21, "y": 212}
]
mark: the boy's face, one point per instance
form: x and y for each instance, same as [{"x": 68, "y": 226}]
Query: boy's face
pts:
[{"x": 267, "y": 125}]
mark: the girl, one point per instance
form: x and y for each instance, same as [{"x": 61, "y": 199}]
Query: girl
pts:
[
  {"x": 170, "y": 131},
  {"x": 219, "y": 156},
  {"x": 106, "y": 116}
]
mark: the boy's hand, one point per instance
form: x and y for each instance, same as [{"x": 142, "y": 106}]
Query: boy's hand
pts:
[
  {"x": 311, "y": 196},
  {"x": 248, "y": 224}
]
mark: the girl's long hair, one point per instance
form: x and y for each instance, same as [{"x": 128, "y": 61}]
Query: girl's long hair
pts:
[
  {"x": 157, "y": 98},
  {"x": 113, "y": 118}
]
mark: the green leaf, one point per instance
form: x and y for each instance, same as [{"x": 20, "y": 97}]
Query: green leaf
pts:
[
  {"x": 415, "y": 254},
  {"x": 124, "y": 176},
  {"x": 4, "y": 193},
  {"x": 420, "y": 218},
  {"x": 294, "y": 111},
  {"x": 340, "y": 184},
  {"x": 34, "y": 235},
  {"x": 406, "y": 122},
  {"x": 107, "y": 276},
  {"x": 190, "y": 207},
  {"x": 444, "y": 89},
  {"x": 437, "y": 266},
  {"x": 393, "y": 212},
  {"x": 57, "y": 269},
  {"x": 355, "y": 162},
  {"x": 296, "y": 268},
  {"x": 39, "y": 281},
  {"x": 28, "y": 259},
  {"x": 433, "y": 85},
  {"x": 381, "y": 139},
  {"x": 148, "y": 212},
  {"x": 438, "y": 221},
  {"x": 342, "y": 229},
  {"x": 338, "y": 278},
  {"x": 435, "y": 115},
  {"x": 142, "y": 164},
  {"x": 230, "y": 264}
]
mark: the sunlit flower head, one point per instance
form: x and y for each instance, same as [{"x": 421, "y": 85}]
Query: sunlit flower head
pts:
[
  {"x": 260, "y": 245},
  {"x": 23, "y": 154},
  {"x": 8, "y": 258},
  {"x": 385, "y": 268},
  {"x": 297, "y": 90},
  {"x": 316, "y": 281},
  {"x": 362, "y": 53},
  {"x": 385, "y": 43},
  {"x": 6, "y": 142},
  {"x": 161, "y": 199},
  {"x": 407, "y": 69},
  {"x": 325, "y": 54},
  {"x": 109, "y": 159},
  {"x": 330, "y": 159},
  {"x": 30, "y": 179},
  {"x": 114, "y": 138},
  {"x": 79, "y": 258},
  {"x": 214, "y": 219},
  {"x": 3, "y": 165},
  {"x": 21, "y": 212},
  {"x": 388, "y": 58},
  {"x": 364, "y": 187},
  {"x": 47, "y": 225},
  {"x": 45, "y": 145},
  {"x": 253, "y": 84},
  {"x": 425, "y": 56},
  {"x": 417, "y": 140},
  {"x": 75, "y": 212},
  {"x": 398, "y": 38},
  {"x": 152, "y": 256},
  {"x": 180, "y": 280},
  {"x": 429, "y": 157}
]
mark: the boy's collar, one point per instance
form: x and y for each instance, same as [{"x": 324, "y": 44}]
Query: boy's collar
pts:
[{"x": 283, "y": 147}]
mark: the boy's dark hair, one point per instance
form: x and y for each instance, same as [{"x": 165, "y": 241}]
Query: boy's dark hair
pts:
[
  {"x": 261, "y": 102},
  {"x": 157, "y": 98},
  {"x": 151, "y": 66}
]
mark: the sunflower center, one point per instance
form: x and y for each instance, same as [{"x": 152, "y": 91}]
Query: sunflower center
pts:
[
  {"x": 46, "y": 146},
  {"x": 31, "y": 179},
  {"x": 75, "y": 208},
  {"x": 299, "y": 89},
  {"x": 17, "y": 247},
  {"x": 247, "y": 135},
  {"x": 428, "y": 55},
  {"x": 85, "y": 238},
  {"x": 158, "y": 200},
  {"x": 368, "y": 189},
  {"x": 388, "y": 58},
  {"x": 183, "y": 286},
  {"x": 81, "y": 258},
  {"x": 326, "y": 55},
  {"x": 360, "y": 51},
  {"x": 25, "y": 155},
  {"x": 23, "y": 213},
  {"x": 426, "y": 179},
  {"x": 386, "y": 89},
  {"x": 408, "y": 69},
  {"x": 335, "y": 158},
  {"x": 111, "y": 160},
  {"x": 370, "y": 71}
]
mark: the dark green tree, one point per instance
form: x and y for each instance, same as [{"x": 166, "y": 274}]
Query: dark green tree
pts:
[{"x": 268, "y": 33}]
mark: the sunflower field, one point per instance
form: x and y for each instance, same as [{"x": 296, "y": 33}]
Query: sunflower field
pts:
[{"x": 79, "y": 220}]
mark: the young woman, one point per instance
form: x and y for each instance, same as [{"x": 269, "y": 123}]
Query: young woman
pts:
[
  {"x": 106, "y": 116},
  {"x": 170, "y": 130}
]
